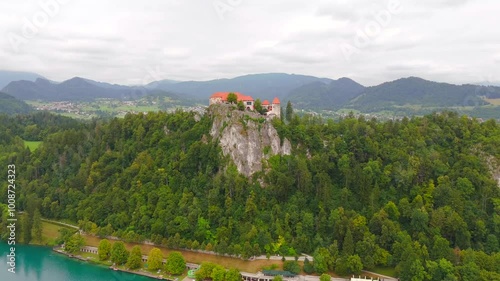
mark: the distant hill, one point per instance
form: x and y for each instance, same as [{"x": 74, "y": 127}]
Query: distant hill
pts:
[
  {"x": 8, "y": 76},
  {"x": 264, "y": 86},
  {"x": 10, "y": 105},
  {"x": 416, "y": 91},
  {"x": 321, "y": 95},
  {"x": 76, "y": 89}
]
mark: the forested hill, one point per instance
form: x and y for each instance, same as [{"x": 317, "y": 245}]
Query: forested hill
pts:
[
  {"x": 417, "y": 194},
  {"x": 11, "y": 105}
]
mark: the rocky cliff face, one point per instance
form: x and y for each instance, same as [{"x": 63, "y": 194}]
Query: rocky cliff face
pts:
[{"x": 248, "y": 138}]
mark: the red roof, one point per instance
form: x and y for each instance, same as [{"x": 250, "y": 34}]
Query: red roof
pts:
[
  {"x": 276, "y": 101},
  {"x": 265, "y": 102},
  {"x": 223, "y": 96}
]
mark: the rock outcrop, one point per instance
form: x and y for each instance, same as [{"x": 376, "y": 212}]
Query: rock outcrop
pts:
[{"x": 247, "y": 137}]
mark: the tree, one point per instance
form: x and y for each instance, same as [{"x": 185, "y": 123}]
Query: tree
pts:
[
  {"x": 155, "y": 259},
  {"x": 74, "y": 244},
  {"x": 354, "y": 264},
  {"x": 218, "y": 273},
  {"x": 241, "y": 106},
  {"x": 134, "y": 260},
  {"x": 292, "y": 266},
  {"x": 233, "y": 274},
  {"x": 104, "y": 250},
  {"x": 308, "y": 266},
  {"x": 289, "y": 111},
  {"x": 205, "y": 271},
  {"x": 26, "y": 225},
  {"x": 348, "y": 245},
  {"x": 232, "y": 98},
  {"x": 325, "y": 277},
  {"x": 119, "y": 253},
  {"x": 37, "y": 225},
  {"x": 320, "y": 265},
  {"x": 176, "y": 264},
  {"x": 258, "y": 106},
  {"x": 278, "y": 278}
]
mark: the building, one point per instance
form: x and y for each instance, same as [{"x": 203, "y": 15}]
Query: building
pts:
[
  {"x": 273, "y": 109},
  {"x": 221, "y": 97}
]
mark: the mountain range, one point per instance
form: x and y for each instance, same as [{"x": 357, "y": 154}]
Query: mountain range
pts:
[
  {"x": 305, "y": 92},
  {"x": 8, "y": 76}
]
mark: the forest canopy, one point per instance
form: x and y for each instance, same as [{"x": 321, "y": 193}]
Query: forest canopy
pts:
[{"x": 415, "y": 194}]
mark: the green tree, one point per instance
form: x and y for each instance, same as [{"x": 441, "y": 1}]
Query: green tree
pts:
[
  {"x": 308, "y": 266},
  {"x": 176, "y": 264},
  {"x": 289, "y": 112},
  {"x": 278, "y": 278},
  {"x": 292, "y": 266},
  {"x": 325, "y": 277},
  {"x": 134, "y": 260},
  {"x": 26, "y": 226},
  {"x": 440, "y": 248},
  {"x": 155, "y": 259},
  {"x": 232, "y": 98},
  {"x": 442, "y": 270},
  {"x": 354, "y": 264},
  {"x": 104, "y": 250},
  {"x": 218, "y": 273},
  {"x": 74, "y": 244},
  {"x": 233, "y": 274},
  {"x": 241, "y": 106},
  {"x": 205, "y": 271},
  {"x": 258, "y": 106},
  {"x": 37, "y": 225},
  {"x": 348, "y": 245},
  {"x": 119, "y": 254},
  {"x": 320, "y": 262}
]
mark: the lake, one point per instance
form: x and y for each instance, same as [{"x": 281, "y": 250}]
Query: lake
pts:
[{"x": 34, "y": 263}]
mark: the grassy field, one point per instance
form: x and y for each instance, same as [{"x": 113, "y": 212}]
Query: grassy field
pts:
[
  {"x": 32, "y": 145},
  {"x": 50, "y": 232},
  {"x": 493, "y": 101}
]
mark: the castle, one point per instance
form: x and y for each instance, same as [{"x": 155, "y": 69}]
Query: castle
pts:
[{"x": 273, "y": 109}]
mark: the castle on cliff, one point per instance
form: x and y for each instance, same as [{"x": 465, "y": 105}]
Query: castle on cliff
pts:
[{"x": 273, "y": 109}]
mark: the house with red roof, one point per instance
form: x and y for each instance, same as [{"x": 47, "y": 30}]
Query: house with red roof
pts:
[{"x": 273, "y": 109}]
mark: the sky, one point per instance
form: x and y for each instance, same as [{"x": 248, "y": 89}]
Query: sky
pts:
[{"x": 137, "y": 42}]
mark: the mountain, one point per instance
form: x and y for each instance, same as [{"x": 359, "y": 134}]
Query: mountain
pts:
[
  {"x": 11, "y": 105},
  {"x": 321, "y": 95},
  {"x": 8, "y": 76},
  {"x": 263, "y": 86},
  {"x": 75, "y": 89},
  {"x": 415, "y": 91}
]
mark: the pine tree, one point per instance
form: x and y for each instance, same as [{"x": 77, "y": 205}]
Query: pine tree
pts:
[
  {"x": 37, "y": 225},
  {"x": 289, "y": 111},
  {"x": 348, "y": 245}
]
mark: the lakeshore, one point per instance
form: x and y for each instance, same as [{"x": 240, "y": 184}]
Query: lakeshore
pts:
[{"x": 114, "y": 268}]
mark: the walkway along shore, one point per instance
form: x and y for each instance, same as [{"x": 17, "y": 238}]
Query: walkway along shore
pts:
[{"x": 78, "y": 257}]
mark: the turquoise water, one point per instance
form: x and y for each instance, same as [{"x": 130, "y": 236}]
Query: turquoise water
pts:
[{"x": 41, "y": 264}]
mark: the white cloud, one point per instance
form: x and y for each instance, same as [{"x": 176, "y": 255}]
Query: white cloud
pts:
[{"x": 133, "y": 42}]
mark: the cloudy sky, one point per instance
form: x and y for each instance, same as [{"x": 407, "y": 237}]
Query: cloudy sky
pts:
[{"x": 135, "y": 42}]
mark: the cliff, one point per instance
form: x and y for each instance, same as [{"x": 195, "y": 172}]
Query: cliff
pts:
[{"x": 247, "y": 137}]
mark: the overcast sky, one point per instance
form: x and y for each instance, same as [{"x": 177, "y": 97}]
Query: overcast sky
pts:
[{"x": 135, "y": 42}]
